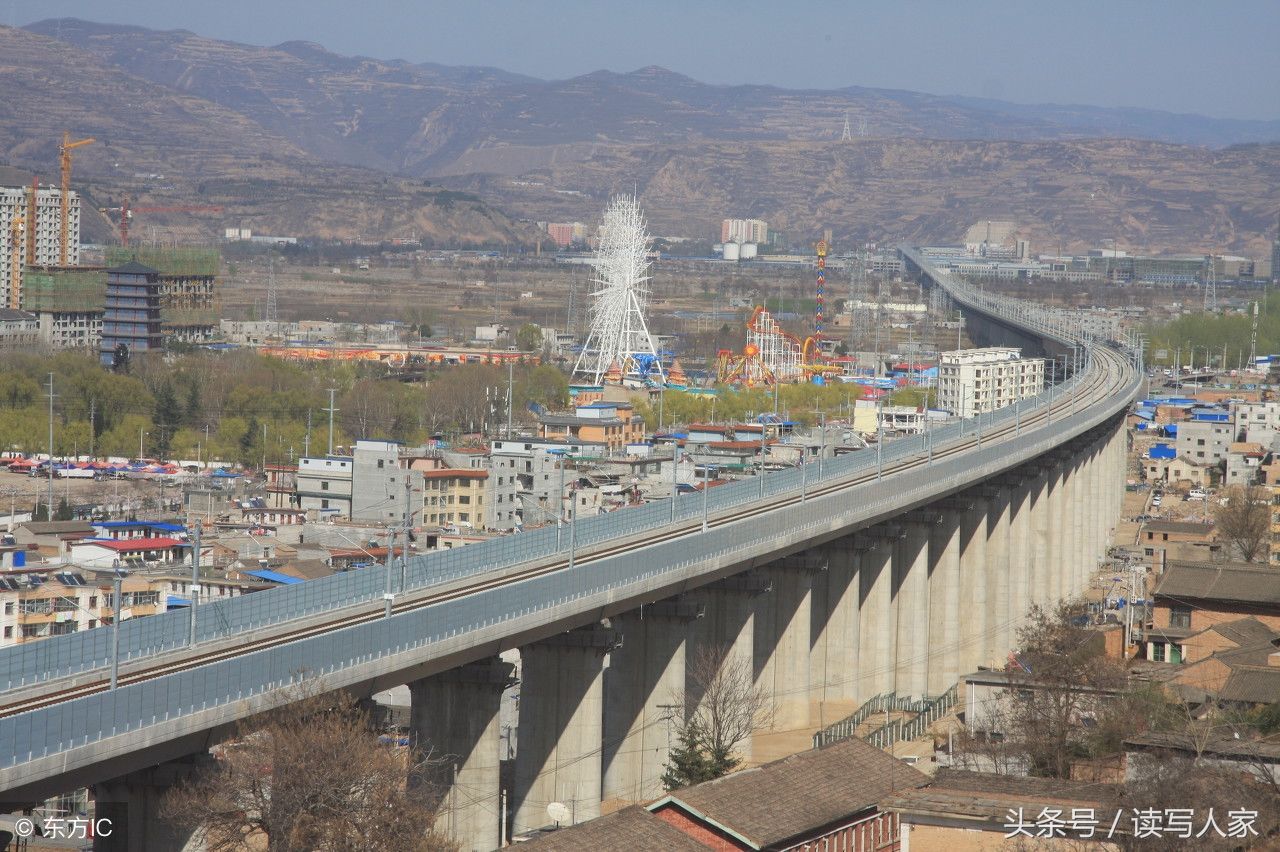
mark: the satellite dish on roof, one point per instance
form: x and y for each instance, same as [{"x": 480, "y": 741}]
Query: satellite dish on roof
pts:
[{"x": 558, "y": 812}]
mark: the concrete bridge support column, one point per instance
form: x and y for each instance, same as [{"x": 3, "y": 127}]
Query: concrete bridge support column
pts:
[
  {"x": 783, "y": 624},
  {"x": 1000, "y": 571},
  {"x": 643, "y": 689},
  {"x": 833, "y": 662},
  {"x": 878, "y": 624},
  {"x": 975, "y": 631},
  {"x": 1021, "y": 559},
  {"x": 944, "y": 601},
  {"x": 132, "y": 805},
  {"x": 911, "y": 584},
  {"x": 454, "y": 722},
  {"x": 561, "y": 726},
  {"x": 725, "y": 635},
  {"x": 1075, "y": 544},
  {"x": 1056, "y": 554},
  {"x": 1041, "y": 518}
]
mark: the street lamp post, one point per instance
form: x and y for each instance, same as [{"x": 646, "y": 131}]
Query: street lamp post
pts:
[
  {"x": 879, "y": 442},
  {"x": 706, "y": 485},
  {"x": 675, "y": 489},
  {"x": 560, "y": 507},
  {"x": 118, "y": 575},
  {"x": 822, "y": 440},
  {"x": 573, "y": 523}
]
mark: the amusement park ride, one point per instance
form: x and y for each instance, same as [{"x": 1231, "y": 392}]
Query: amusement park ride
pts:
[{"x": 771, "y": 355}]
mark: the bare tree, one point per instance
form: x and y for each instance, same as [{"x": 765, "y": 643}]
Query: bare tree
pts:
[
  {"x": 723, "y": 708},
  {"x": 1244, "y": 522},
  {"x": 310, "y": 776}
]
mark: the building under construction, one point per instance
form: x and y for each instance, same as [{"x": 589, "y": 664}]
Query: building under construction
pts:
[
  {"x": 68, "y": 304},
  {"x": 189, "y": 309},
  {"x": 36, "y": 244}
]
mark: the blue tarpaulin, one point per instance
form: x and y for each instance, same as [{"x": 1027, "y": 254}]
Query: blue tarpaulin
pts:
[{"x": 273, "y": 576}]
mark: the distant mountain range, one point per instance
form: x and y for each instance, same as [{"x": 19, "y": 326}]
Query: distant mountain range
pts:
[{"x": 215, "y": 117}]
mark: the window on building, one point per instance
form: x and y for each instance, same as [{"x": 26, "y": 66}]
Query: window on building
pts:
[
  {"x": 1157, "y": 652},
  {"x": 324, "y": 504},
  {"x": 1180, "y": 616},
  {"x": 8, "y": 631},
  {"x": 380, "y": 463},
  {"x": 324, "y": 485}
]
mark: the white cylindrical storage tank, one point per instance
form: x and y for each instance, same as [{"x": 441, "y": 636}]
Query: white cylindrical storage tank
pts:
[
  {"x": 748, "y": 251},
  {"x": 731, "y": 251}
]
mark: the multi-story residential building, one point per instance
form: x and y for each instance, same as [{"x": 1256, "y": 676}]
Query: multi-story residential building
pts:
[
  {"x": 1244, "y": 463},
  {"x": 1256, "y": 421},
  {"x": 525, "y": 480},
  {"x": 131, "y": 324},
  {"x": 613, "y": 424},
  {"x": 19, "y": 330},
  {"x": 188, "y": 304},
  {"x": 972, "y": 381},
  {"x": 383, "y": 487},
  {"x": 41, "y": 243},
  {"x": 1204, "y": 441},
  {"x": 744, "y": 231},
  {"x": 455, "y": 496},
  {"x": 1194, "y": 596},
  {"x": 324, "y": 484}
]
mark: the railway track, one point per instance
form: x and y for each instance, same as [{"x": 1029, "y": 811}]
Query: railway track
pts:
[{"x": 1099, "y": 385}]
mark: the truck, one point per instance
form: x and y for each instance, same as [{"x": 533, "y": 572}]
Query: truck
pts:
[{"x": 74, "y": 473}]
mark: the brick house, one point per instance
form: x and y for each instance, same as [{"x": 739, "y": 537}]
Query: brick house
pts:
[{"x": 1192, "y": 597}]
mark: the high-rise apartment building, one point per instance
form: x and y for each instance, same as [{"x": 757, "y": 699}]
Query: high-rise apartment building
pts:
[
  {"x": 48, "y": 231},
  {"x": 972, "y": 381},
  {"x": 744, "y": 231}
]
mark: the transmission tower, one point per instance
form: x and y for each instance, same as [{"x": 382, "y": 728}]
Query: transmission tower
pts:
[
  {"x": 862, "y": 125},
  {"x": 619, "y": 342},
  {"x": 272, "y": 313},
  {"x": 847, "y": 135},
  {"x": 1211, "y": 288}
]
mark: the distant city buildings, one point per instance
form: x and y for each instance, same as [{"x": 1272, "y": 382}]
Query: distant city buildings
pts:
[
  {"x": 973, "y": 381},
  {"x": 565, "y": 234},
  {"x": 744, "y": 231}
]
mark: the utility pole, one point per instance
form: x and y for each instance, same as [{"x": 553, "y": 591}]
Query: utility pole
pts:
[
  {"x": 331, "y": 410},
  {"x": 510, "y": 388},
  {"x": 49, "y": 509},
  {"x": 306, "y": 441},
  {"x": 195, "y": 581},
  {"x": 93, "y": 410},
  {"x": 116, "y": 584}
]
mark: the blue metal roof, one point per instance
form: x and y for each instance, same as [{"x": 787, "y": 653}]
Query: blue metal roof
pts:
[
  {"x": 273, "y": 576},
  {"x": 175, "y": 601}
]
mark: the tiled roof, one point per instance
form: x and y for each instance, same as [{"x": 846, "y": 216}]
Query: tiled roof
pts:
[
  {"x": 56, "y": 527},
  {"x": 631, "y": 829},
  {"x": 1188, "y": 743},
  {"x": 988, "y": 798},
  {"x": 1222, "y": 581},
  {"x": 1252, "y": 685},
  {"x": 797, "y": 794},
  {"x": 1242, "y": 631}
]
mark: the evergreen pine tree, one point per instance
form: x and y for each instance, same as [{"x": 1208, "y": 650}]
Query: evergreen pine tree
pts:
[{"x": 688, "y": 763}]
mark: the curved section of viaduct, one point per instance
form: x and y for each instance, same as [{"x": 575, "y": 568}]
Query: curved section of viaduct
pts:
[{"x": 845, "y": 587}]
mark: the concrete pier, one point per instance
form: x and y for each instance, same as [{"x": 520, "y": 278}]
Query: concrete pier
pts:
[
  {"x": 561, "y": 726},
  {"x": 644, "y": 685},
  {"x": 454, "y": 723}
]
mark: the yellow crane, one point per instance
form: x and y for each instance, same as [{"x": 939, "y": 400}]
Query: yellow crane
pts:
[
  {"x": 64, "y": 150},
  {"x": 16, "y": 226}
]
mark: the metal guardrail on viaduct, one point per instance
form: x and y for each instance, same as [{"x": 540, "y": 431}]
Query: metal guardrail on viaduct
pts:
[{"x": 61, "y": 726}]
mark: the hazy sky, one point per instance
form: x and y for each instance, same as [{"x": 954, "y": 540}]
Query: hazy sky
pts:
[{"x": 1215, "y": 57}]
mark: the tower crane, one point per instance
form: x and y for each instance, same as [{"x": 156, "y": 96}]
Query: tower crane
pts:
[
  {"x": 126, "y": 214},
  {"x": 64, "y": 151},
  {"x": 16, "y": 227}
]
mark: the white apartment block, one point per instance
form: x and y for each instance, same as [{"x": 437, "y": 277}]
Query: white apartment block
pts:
[
  {"x": 972, "y": 381},
  {"x": 744, "y": 231},
  {"x": 1256, "y": 421},
  {"x": 48, "y": 233},
  {"x": 325, "y": 484}
]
